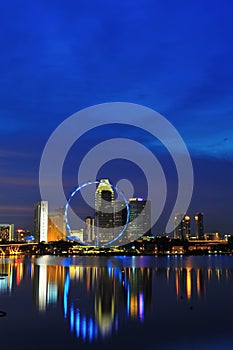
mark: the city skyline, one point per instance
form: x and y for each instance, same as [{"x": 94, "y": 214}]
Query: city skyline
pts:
[{"x": 59, "y": 59}]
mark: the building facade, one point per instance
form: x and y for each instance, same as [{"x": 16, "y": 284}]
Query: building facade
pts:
[
  {"x": 56, "y": 225},
  {"x": 199, "y": 220},
  {"x": 104, "y": 212},
  {"x": 6, "y": 232},
  {"x": 41, "y": 221},
  {"x": 182, "y": 226},
  {"x": 139, "y": 219},
  {"x": 89, "y": 232}
]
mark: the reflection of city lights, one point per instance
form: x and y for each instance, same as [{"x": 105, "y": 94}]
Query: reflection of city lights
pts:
[
  {"x": 72, "y": 318},
  {"x": 189, "y": 283},
  {"x": 66, "y": 292},
  {"x": 91, "y": 329},
  {"x": 141, "y": 307},
  {"x": 84, "y": 327},
  {"x": 198, "y": 282},
  {"x": 77, "y": 324},
  {"x": 42, "y": 287},
  {"x": 128, "y": 300}
]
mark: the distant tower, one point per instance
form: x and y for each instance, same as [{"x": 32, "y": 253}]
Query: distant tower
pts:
[
  {"x": 6, "y": 232},
  {"x": 199, "y": 219},
  {"x": 89, "y": 233},
  {"x": 139, "y": 219},
  {"x": 182, "y": 226},
  {"x": 104, "y": 207},
  {"x": 120, "y": 216},
  {"x": 41, "y": 221}
]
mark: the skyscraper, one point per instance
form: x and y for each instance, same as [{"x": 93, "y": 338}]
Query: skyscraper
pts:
[
  {"x": 41, "y": 221},
  {"x": 182, "y": 226},
  {"x": 139, "y": 219},
  {"x": 120, "y": 216},
  {"x": 199, "y": 219},
  {"x": 89, "y": 233},
  {"x": 104, "y": 207},
  {"x": 6, "y": 232}
]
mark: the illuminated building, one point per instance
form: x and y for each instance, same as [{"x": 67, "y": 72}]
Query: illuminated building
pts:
[
  {"x": 199, "y": 226},
  {"x": 76, "y": 235},
  {"x": 139, "y": 220},
  {"x": 104, "y": 207},
  {"x": 56, "y": 225},
  {"x": 182, "y": 226},
  {"x": 120, "y": 216},
  {"x": 89, "y": 233},
  {"x": 213, "y": 236},
  {"x": 41, "y": 221},
  {"x": 6, "y": 232}
]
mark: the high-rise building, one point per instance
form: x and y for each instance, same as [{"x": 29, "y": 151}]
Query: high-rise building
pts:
[
  {"x": 182, "y": 226},
  {"x": 41, "y": 221},
  {"x": 104, "y": 207},
  {"x": 56, "y": 225},
  {"x": 199, "y": 219},
  {"x": 139, "y": 219},
  {"x": 120, "y": 216},
  {"x": 89, "y": 233},
  {"x": 6, "y": 232}
]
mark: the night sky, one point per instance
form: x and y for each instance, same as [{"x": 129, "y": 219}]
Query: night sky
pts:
[{"x": 58, "y": 57}]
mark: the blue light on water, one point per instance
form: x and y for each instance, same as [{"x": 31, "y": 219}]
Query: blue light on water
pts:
[
  {"x": 91, "y": 330},
  {"x": 66, "y": 292},
  {"x": 141, "y": 307},
  {"x": 84, "y": 327},
  {"x": 72, "y": 318},
  {"x": 77, "y": 323},
  {"x": 128, "y": 300},
  {"x": 109, "y": 271}
]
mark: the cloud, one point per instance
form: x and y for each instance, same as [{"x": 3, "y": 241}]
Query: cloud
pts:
[{"x": 17, "y": 181}]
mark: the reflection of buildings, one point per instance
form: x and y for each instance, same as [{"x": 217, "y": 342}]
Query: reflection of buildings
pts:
[
  {"x": 98, "y": 301},
  {"x": 138, "y": 287},
  {"x": 41, "y": 221},
  {"x": 190, "y": 282},
  {"x": 104, "y": 206},
  {"x": 116, "y": 295},
  {"x": 182, "y": 226},
  {"x": 48, "y": 284},
  {"x": 6, "y": 232}
]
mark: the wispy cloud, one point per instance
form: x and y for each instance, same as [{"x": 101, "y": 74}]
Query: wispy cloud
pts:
[
  {"x": 12, "y": 154},
  {"x": 12, "y": 209},
  {"x": 17, "y": 181}
]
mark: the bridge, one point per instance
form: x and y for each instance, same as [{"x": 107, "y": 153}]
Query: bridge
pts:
[{"x": 16, "y": 248}]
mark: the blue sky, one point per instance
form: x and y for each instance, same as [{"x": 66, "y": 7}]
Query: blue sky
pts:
[{"x": 58, "y": 57}]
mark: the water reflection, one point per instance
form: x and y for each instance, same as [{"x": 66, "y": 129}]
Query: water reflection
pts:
[{"x": 98, "y": 301}]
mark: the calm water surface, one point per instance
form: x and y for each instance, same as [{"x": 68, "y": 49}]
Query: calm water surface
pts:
[{"x": 117, "y": 302}]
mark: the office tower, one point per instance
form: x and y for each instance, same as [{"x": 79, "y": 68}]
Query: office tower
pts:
[
  {"x": 182, "y": 226},
  {"x": 89, "y": 233},
  {"x": 139, "y": 219},
  {"x": 41, "y": 221},
  {"x": 56, "y": 225},
  {"x": 199, "y": 219},
  {"x": 120, "y": 216},
  {"x": 104, "y": 207},
  {"x": 6, "y": 232}
]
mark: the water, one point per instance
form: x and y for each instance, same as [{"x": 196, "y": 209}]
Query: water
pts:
[{"x": 117, "y": 303}]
